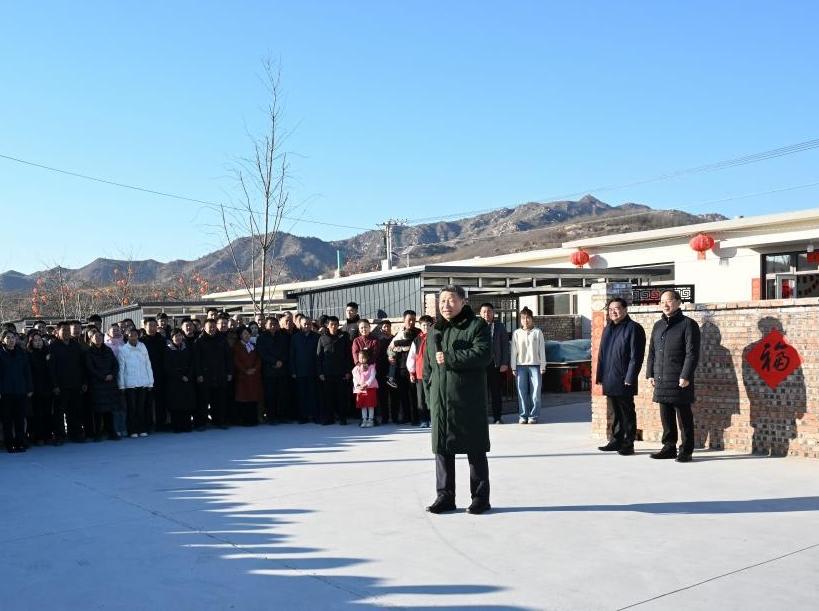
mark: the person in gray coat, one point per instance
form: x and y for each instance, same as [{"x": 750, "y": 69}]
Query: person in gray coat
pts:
[
  {"x": 619, "y": 361},
  {"x": 673, "y": 355},
  {"x": 500, "y": 360}
]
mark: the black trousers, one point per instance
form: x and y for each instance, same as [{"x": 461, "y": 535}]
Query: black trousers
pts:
[
  {"x": 13, "y": 408},
  {"x": 493, "y": 384},
  {"x": 336, "y": 391},
  {"x": 669, "y": 413},
  {"x": 277, "y": 399},
  {"x": 181, "y": 420},
  {"x": 478, "y": 475},
  {"x": 135, "y": 404},
  {"x": 104, "y": 423},
  {"x": 421, "y": 396},
  {"x": 624, "y": 427},
  {"x": 157, "y": 408},
  {"x": 216, "y": 398},
  {"x": 247, "y": 412},
  {"x": 87, "y": 415},
  {"x": 69, "y": 404},
  {"x": 406, "y": 399},
  {"x": 41, "y": 427},
  {"x": 386, "y": 398},
  {"x": 307, "y": 399}
]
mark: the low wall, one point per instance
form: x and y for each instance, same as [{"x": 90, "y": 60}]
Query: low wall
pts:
[{"x": 735, "y": 409}]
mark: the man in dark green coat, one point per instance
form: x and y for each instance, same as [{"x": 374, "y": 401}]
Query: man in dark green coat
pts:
[{"x": 457, "y": 355}]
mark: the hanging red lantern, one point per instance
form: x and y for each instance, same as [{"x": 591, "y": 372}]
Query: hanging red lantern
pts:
[
  {"x": 579, "y": 258},
  {"x": 702, "y": 242}
]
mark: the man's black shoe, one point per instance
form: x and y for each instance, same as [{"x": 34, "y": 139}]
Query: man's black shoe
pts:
[
  {"x": 666, "y": 453},
  {"x": 479, "y": 506},
  {"x": 626, "y": 451},
  {"x": 442, "y": 504},
  {"x": 611, "y": 446},
  {"x": 684, "y": 457}
]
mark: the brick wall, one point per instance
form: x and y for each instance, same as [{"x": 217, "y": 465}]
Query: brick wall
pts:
[
  {"x": 560, "y": 327},
  {"x": 735, "y": 408}
]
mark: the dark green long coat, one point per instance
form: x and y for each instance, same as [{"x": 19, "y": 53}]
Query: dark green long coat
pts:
[{"x": 456, "y": 391}]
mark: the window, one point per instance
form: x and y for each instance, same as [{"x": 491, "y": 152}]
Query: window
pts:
[
  {"x": 791, "y": 274},
  {"x": 778, "y": 264},
  {"x": 558, "y": 303}
]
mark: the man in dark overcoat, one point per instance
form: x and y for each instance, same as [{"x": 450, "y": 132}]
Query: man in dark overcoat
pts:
[
  {"x": 499, "y": 365},
  {"x": 455, "y": 361},
  {"x": 673, "y": 355},
  {"x": 619, "y": 361},
  {"x": 213, "y": 363}
]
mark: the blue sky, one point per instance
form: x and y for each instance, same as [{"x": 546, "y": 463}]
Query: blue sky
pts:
[{"x": 412, "y": 109}]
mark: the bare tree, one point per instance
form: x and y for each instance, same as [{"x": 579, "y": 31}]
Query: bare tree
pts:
[{"x": 263, "y": 182}]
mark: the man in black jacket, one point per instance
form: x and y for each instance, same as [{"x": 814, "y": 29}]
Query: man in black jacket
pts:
[
  {"x": 273, "y": 345},
  {"x": 69, "y": 382},
  {"x": 214, "y": 369},
  {"x": 351, "y": 324},
  {"x": 156, "y": 346},
  {"x": 335, "y": 365},
  {"x": 619, "y": 360},
  {"x": 303, "y": 346},
  {"x": 672, "y": 360},
  {"x": 500, "y": 360},
  {"x": 397, "y": 353}
]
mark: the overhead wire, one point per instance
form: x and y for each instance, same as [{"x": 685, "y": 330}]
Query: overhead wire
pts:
[
  {"x": 709, "y": 167},
  {"x": 123, "y": 185}
]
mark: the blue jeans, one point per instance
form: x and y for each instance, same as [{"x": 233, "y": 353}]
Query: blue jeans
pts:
[{"x": 528, "y": 382}]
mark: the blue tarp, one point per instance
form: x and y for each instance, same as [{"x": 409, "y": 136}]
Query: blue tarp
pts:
[{"x": 572, "y": 350}]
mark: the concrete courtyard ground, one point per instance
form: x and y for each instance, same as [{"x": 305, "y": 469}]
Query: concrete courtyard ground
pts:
[{"x": 308, "y": 517}]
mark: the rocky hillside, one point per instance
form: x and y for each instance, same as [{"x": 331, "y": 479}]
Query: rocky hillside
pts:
[{"x": 529, "y": 226}]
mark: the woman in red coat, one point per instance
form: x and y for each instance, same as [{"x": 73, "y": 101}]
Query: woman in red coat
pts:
[{"x": 247, "y": 369}]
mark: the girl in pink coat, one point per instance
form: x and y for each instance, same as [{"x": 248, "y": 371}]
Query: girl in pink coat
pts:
[{"x": 365, "y": 387}]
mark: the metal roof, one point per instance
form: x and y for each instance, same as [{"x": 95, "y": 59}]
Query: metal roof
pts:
[{"x": 478, "y": 271}]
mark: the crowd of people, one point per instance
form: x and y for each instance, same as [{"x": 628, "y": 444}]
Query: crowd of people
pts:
[
  {"x": 75, "y": 382},
  {"x": 82, "y": 384}
]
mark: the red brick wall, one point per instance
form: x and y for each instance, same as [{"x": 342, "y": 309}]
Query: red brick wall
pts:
[{"x": 735, "y": 409}]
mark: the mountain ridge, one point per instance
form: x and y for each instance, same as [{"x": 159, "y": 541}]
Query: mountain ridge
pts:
[{"x": 535, "y": 225}]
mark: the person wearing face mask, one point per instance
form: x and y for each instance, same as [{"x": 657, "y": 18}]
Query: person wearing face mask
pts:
[
  {"x": 673, "y": 355},
  {"x": 619, "y": 361}
]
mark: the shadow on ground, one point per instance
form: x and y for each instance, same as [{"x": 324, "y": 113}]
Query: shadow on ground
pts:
[
  {"x": 256, "y": 544},
  {"x": 782, "y": 505}
]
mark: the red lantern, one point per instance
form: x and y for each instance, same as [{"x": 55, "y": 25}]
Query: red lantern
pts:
[
  {"x": 702, "y": 242},
  {"x": 579, "y": 258}
]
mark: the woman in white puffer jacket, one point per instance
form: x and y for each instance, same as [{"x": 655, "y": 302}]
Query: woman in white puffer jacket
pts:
[{"x": 136, "y": 379}]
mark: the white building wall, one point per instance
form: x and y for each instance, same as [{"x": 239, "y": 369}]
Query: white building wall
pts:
[{"x": 722, "y": 276}]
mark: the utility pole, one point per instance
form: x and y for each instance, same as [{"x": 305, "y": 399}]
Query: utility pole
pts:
[{"x": 388, "y": 227}]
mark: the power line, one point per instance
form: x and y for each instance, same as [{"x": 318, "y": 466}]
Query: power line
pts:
[
  {"x": 195, "y": 200},
  {"x": 710, "y": 167}
]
